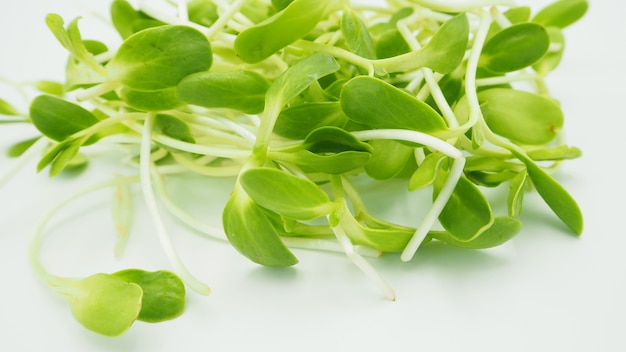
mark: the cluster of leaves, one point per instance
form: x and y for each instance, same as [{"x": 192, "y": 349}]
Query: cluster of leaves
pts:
[{"x": 296, "y": 100}]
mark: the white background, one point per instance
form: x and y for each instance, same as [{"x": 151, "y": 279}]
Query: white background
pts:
[{"x": 543, "y": 291}]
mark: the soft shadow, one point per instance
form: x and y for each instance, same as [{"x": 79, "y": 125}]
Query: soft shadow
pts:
[
  {"x": 271, "y": 275},
  {"x": 445, "y": 259}
]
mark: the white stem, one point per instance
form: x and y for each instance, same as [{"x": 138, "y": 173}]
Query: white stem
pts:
[
  {"x": 361, "y": 263},
  {"x": 472, "y": 67},
  {"x": 183, "y": 13},
  {"x": 35, "y": 243},
  {"x": 429, "y": 76},
  {"x": 224, "y": 18},
  {"x": 145, "y": 173},
  {"x": 447, "y": 189}
]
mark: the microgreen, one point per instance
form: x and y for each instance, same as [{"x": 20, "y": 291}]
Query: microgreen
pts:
[{"x": 305, "y": 105}]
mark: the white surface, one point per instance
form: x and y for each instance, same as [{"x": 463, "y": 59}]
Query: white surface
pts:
[{"x": 543, "y": 291}]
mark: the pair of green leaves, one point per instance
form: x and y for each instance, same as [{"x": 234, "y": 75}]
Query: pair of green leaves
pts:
[
  {"x": 329, "y": 150},
  {"x": 109, "y": 304}
]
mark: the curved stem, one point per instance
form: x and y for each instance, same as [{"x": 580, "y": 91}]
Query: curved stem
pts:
[
  {"x": 35, "y": 243},
  {"x": 145, "y": 172}
]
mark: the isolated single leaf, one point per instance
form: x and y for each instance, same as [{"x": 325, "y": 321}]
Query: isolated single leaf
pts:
[
  {"x": 160, "y": 57},
  {"x": 163, "y": 293},
  {"x": 259, "y": 42},
  {"x": 285, "y": 194},
  {"x": 251, "y": 232}
]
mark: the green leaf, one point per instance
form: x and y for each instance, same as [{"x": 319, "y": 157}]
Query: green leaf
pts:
[
  {"x": 561, "y": 152},
  {"x": 389, "y": 239},
  {"x": 19, "y": 148},
  {"x": 128, "y": 21},
  {"x": 427, "y": 171},
  {"x": 328, "y": 149},
  {"x": 298, "y": 121},
  {"x": 159, "y": 57},
  {"x": 388, "y": 159},
  {"x": 49, "y": 87},
  {"x": 58, "y": 119},
  {"x": 443, "y": 53},
  {"x": 259, "y": 42},
  {"x": 173, "y": 127},
  {"x": 285, "y": 194},
  {"x": 328, "y": 139},
  {"x": 157, "y": 100},
  {"x": 561, "y": 13},
  {"x": 7, "y": 109},
  {"x": 251, "y": 232},
  {"x": 281, "y": 4},
  {"x": 557, "y": 198},
  {"x": 64, "y": 158},
  {"x": 356, "y": 35},
  {"x": 503, "y": 229},
  {"x": 361, "y": 97},
  {"x": 515, "y": 48},
  {"x": 240, "y": 90},
  {"x": 552, "y": 59},
  {"x": 299, "y": 77},
  {"x": 203, "y": 12},
  {"x": 515, "y": 15},
  {"x": 522, "y": 117},
  {"x": 391, "y": 44},
  {"x": 71, "y": 40},
  {"x": 104, "y": 303},
  {"x": 163, "y": 293},
  {"x": 333, "y": 164},
  {"x": 467, "y": 213},
  {"x": 515, "y": 198}
]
